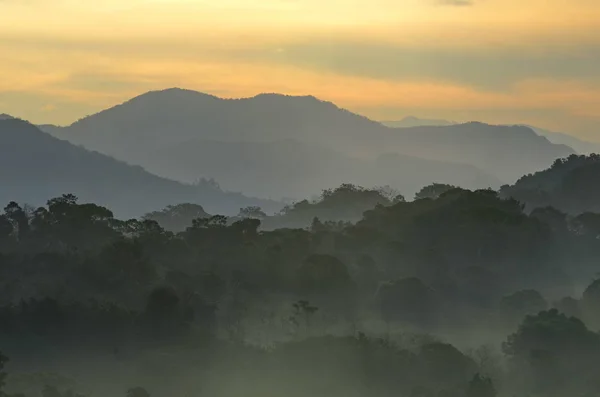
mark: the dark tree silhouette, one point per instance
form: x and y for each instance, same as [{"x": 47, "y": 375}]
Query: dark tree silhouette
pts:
[{"x": 480, "y": 386}]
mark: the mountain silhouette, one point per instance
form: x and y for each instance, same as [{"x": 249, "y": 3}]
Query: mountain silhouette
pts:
[
  {"x": 294, "y": 169},
  {"x": 35, "y": 166},
  {"x": 506, "y": 151},
  {"x": 580, "y": 146},
  {"x": 158, "y": 129}
]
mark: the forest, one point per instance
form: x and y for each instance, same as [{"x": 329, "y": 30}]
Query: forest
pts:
[{"x": 361, "y": 292}]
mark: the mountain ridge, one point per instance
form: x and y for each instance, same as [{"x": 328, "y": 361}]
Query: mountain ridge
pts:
[
  {"x": 579, "y": 145},
  {"x": 157, "y": 121},
  {"x": 36, "y": 166}
]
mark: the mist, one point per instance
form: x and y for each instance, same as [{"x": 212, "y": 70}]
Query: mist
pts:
[{"x": 299, "y": 198}]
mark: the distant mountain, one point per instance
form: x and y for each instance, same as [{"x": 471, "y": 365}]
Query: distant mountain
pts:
[
  {"x": 35, "y": 167},
  {"x": 505, "y": 151},
  {"x": 579, "y": 145},
  {"x": 294, "y": 169},
  {"x": 159, "y": 129},
  {"x": 158, "y": 119},
  {"x": 4, "y": 116},
  {"x": 411, "y": 121},
  {"x": 570, "y": 184}
]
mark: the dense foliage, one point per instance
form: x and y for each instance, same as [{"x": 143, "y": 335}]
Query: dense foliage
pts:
[
  {"x": 457, "y": 293},
  {"x": 571, "y": 185}
]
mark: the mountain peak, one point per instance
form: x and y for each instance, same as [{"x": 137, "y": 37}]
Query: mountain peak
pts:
[
  {"x": 4, "y": 116},
  {"x": 173, "y": 92},
  {"x": 279, "y": 95}
]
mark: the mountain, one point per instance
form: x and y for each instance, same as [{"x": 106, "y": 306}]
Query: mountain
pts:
[
  {"x": 570, "y": 184},
  {"x": 505, "y": 151},
  {"x": 161, "y": 127},
  {"x": 158, "y": 119},
  {"x": 579, "y": 145},
  {"x": 412, "y": 121},
  {"x": 559, "y": 138},
  {"x": 4, "y": 116},
  {"x": 294, "y": 169},
  {"x": 35, "y": 167}
]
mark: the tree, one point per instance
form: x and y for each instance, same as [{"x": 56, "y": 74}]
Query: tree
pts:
[
  {"x": 569, "y": 306},
  {"x": 3, "y": 374},
  {"x": 445, "y": 365},
  {"x": 18, "y": 217},
  {"x": 215, "y": 221},
  {"x": 176, "y": 218},
  {"x": 553, "y": 354},
  {"x": 407, "y": 301},
  {"x": 433, "y": 191},
  {"x": 6, "y": 228},
  {"x": 393, "y": 195},
  {"x": 590, "y": 303},
  {"x": 253, "y": 212},
  {"x": 305, "y": 310},
  {"x": 554, "y": 218},
  {"x": 323, "y": 273},
  {"x": 317, "y": 226},
  {"x": 480, "y": 386},
  {"x": 166, "y": 313},
  {"x": 587, "y": 224},
  {"x": 122, "y": 264},
  {"x": 516, "y": 306},
  {"x": 137, "y": 392}
]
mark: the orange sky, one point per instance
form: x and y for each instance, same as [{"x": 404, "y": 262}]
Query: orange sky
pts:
[{"x": 503, "y": 61}]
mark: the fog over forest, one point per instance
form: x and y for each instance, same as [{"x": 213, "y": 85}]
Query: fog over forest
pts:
[
  {"x": 299, "y": 198},
  {"x": 405, "y": 261}
]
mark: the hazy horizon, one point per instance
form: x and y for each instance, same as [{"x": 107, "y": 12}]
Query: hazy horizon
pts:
[
  {"x": 493, "y": 61},
  {"x": 324, "y": 198},
  {"x": 413, "y": 119}
]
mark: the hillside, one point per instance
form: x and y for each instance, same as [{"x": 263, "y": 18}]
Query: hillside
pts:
[
  {"x": 507, "y": 151},
  {"x": 579, "y": 145},
  {"x": 142, "y": 130},
  {"x": 297, "y": 170},
  {"x": 571, "y": 185},
  {"x": 35, "y": 166}
]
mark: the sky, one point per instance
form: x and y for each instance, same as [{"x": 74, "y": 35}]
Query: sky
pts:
[{"x": 498, "y": 61}]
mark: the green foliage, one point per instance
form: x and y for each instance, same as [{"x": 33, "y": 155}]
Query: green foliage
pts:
[
  {"x": 254, "y": 212},
  {"x": 569, "y": 185},
  {"x": 72, "y": 277},
  {"x": 177, "y": 218},
  {"x": 3, "y": 375},
  {"x": 137, "y": 392},
  {"x": 322, "y": 274},
  {"x": 480, "y": 386},
  {"x": 407, "y": 301},
  {"x": 557, "y": 353},
  {"x": 519, "y": 304},
  {"x": 433, "y": 191},
  {"x": 345, "y": 203},
  {"x": 446, "y": 366}
]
